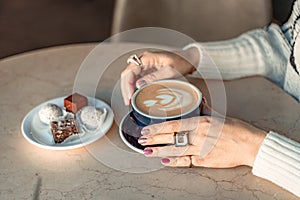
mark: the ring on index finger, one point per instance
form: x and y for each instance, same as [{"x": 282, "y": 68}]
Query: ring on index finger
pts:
[
  {"x": 181, "y": 139},
  {"x": 135, "y": 60}
]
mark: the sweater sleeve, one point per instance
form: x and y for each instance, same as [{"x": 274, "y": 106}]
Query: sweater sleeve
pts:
[
  {"x": 258, "y": 52},
  {"x": 278, "y": 161}
]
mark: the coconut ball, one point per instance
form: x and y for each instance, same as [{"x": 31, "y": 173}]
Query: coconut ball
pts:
[
  {"x": 91, "y": 117},
  {"x": 50, "y": 112}
]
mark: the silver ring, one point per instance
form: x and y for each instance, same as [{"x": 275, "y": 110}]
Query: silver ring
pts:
[
  {"x": 135, "y": 60},
  {"x": 181, "y": 139}
]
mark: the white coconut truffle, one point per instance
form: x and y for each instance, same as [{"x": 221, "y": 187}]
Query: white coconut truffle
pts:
[
  {"x": 50, "y": 112},
  {"x": 92, "y": 118}
]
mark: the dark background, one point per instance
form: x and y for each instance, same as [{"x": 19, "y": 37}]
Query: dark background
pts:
[{"x": 32, "y": 24}]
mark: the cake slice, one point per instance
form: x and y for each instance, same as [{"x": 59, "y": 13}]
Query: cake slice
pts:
[{"x": 63, "y": 129}]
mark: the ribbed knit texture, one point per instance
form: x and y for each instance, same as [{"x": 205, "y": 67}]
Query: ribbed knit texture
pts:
[
  {"x": 278, "y": 161},
  {"x": 263, "y": 52},
  {"x": 259, "y": 52}
]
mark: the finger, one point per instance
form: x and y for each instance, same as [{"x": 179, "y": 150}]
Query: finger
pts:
[
  {"x": 182, "y": 161},
  {"x": 169, "y": 138},
  {"x": 171, "y": 150},
  {"x": 174, "y": 126},
  {"x": 128, "y": 78},
  {"x": 132, "y": 72},
  {"x": 163, "y": 72},
  {"x": 212, "y": 162},
  {"x": 197, "y": 161},
  {"x": 157, "y": 139}
]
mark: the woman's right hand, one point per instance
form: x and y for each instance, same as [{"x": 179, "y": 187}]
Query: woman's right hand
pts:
[
  {"x": 213, "y": 142},
  {"x": 157, "y": 66}
]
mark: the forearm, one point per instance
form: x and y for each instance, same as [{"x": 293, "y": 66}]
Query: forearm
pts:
[
  {"x": 258, "y": 52},
  {"x": 278, "y": 161}
]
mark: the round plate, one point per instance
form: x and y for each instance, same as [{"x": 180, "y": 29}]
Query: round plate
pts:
[
  {"x": 39, "y": 134},
  {"x": 129, "y": 131}
]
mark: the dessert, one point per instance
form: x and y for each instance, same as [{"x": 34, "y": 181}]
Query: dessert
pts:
[
  {"x": 50, "y": 112},
  {"x": 75, "y": 102},
  {"x": 62, "y": 129},
  {"x": 75, "y": 117},
  {"x": 91, "y": 117}
]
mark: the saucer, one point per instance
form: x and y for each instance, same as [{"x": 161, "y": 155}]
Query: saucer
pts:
[{"x": 129, "y": 132}]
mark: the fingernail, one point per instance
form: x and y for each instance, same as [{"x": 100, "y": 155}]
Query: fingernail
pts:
[
  {"x": 141, "y": 82},
  {"x": 145, "y": 131},
  {"x": 142, "y": 140},
  {"x": 165, "y": 160},
  {"x": 148, "y": 151}
]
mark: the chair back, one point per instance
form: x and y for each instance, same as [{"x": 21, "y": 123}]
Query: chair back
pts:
[{"x": 202, "y": 20}]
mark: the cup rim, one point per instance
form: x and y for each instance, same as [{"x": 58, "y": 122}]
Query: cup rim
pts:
[{"x": 135, "y": 108}]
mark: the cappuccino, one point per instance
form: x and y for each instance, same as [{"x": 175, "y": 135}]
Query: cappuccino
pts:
[{"x": 166, "y": 99}]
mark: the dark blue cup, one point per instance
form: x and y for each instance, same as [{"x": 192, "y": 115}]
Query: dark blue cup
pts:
[{"x": 145, "y": 119}]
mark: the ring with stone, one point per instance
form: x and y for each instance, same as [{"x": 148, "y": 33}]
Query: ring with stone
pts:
[
  {"x": 181, "y": 139},
  {"x": 135, "y": 60}
]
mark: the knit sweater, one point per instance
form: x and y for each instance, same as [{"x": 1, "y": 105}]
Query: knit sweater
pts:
[{"x": 273, "y": 52}]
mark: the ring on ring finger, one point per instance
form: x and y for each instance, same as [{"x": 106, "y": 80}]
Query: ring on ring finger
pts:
[{"x": 181, "y": 139}]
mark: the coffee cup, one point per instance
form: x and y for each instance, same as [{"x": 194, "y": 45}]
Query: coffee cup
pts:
[{"x": 165, "y": 100}]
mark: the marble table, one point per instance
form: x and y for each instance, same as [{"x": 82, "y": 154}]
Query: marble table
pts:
[{"x": 97, "y": 171}]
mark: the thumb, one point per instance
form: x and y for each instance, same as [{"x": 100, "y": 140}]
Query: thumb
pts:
[{"x": 205, "y": 108}]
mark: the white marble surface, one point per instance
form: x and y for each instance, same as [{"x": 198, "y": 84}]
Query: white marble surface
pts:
[{"x": 28, "y": 172}]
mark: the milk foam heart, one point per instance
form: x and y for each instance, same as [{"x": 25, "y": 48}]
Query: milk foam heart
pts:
[
  {"x": 166, "y": 98},
  {"x": 170, "y": 99}
]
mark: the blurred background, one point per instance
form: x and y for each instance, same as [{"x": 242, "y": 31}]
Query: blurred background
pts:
[{"x": 32, "y": 24}]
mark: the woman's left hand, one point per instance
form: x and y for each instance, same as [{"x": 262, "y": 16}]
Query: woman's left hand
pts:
[{"x": 213, "y": 142}]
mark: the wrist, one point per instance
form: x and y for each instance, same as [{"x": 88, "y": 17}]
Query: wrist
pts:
[
  {"x": 192, "y": 56},
  {"x": 254, "y": 145}
]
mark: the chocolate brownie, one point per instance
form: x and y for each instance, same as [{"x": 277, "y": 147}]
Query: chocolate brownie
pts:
[{"x": 63, "y": 129}]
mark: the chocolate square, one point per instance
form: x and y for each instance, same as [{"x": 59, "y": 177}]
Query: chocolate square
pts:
[{"x": 75, "y": 102}]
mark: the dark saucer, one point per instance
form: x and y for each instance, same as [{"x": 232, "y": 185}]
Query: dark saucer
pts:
[{"x": 130, "y": 132}]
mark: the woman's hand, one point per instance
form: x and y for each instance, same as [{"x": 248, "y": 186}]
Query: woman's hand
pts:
[
  {"x": 157, "y": 66},
  {"x": 213, "y": 142}
]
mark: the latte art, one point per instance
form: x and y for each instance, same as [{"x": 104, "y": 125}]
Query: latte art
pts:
[
  {"x": 170, "y": 100},
  {"x": 166, "y": 98}
]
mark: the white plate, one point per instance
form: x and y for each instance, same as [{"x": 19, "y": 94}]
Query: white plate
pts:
[{"x": 39, "y": 134}]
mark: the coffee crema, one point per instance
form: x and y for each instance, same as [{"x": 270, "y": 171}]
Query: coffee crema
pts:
[{"x": 166, "y": 99}]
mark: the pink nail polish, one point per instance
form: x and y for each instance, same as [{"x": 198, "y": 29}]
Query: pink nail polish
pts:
[
  {"x": 165, "y": 160},
  {"x": 141, "y": 82},
  {"x": 142, "y": 140},
  {"x": 145, "y": 131},
  {"x": 148, "y": 151}
]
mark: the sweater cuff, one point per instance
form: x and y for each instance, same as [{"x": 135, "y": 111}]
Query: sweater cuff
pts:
[
  {"x": 206, "y": 68},
  {"x": 278, "y": 161},
  {"x": 197, "y": 46}
]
